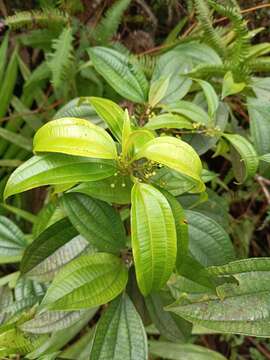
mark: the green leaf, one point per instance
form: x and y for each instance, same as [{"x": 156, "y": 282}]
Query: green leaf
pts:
[
  {"x": 121, "y": 72},
  {"x": 23, "y": 214},
  {"x": 172, "y": 181},
  {"x": 75, "y": 137},
  {"x": 109, "y": 23},
  {"x": 60, "y": 60},
  {"x": 110, "y": 112},
  {"x": 97, "y": 221},
  {"x": 8, "y": 83},
  {"x": 51, "y": 321},
  {"x": 153, "y": 237},
  {"x": 175, "y": 154},
  {"x": 172, "y": 351},
  {"x": 211, "y": 97},
  {"x": 47, "y": 268},
  {"x": 190, "y": 110},
  {"x": 208, "y": 241},
  {"x": 230, "y": 87},
  {"x": 115, "y": 189},
  {"x": 259, "y": 110},
  {"x": 242, "y": 307},
  {"x": 168, "y": 121},
  {"x": 12, "y": 163},
  {"x": 86, "y": 282},
  {"x": 173, "y": 328},
  {"x": 76, "y": 108},
  {"x": 17, "y": 139},
  {"x": 48, "y": 215},
  {"x": 58, "y": 339},
  {"x": 244, "y": 159},
  {"x": 53, "y": 169},
  {"x": 265, "y": 157},
  {"x": 3, "y": 56},
  {"x": 47, "y": 243},
  {"x": 120, "y": 333},
  {"x": 157, "y": 90},
  {"x": 12, "y": 241},
  {"x": 169, "y": 66}
]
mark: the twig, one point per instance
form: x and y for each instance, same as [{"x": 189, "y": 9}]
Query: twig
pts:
[
  {"x": 217, "y": 21},
  {"x": 149, "y": 12},
  {"x": 261, "y": 348},
  {"x": 39, "y": 110}
]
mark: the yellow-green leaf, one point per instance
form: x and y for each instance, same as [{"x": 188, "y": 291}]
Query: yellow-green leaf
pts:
[
  {"x": 75, "y": 137},
  {"x": 153, "y": 237},
  {"x": 86, "y": 282},
  {"x": 177, "y": 155}
]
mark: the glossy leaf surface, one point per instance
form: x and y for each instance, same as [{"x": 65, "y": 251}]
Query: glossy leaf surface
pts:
[
  {"x": 175, "y": 154},
  {"x": 153, "y": 237},
  {"x": 53, "y": 169},
  {"x": 75, "y": 136}
]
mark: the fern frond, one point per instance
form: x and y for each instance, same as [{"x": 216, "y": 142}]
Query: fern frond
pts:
[
  {"x": 238, "y": 54},
  {"x": 110, "y": 22},
  {"x": 205, "y": 20},
  {"x": 31, "y": 19},
  {"x": 39, "y": 38},
  {"x": 261, "y": 64},
  {"x": 61, "y": 59},
  {"x": 147, "y": 64},
  {"x": 206, "y": 70}
]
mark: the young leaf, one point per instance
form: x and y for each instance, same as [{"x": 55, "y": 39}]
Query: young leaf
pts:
[
  {"x": 47, "y": 243},
  {"x": 87, "y": 282},
  {"x": 233, "y": 309},
  {"x": 172, "y": 351},
  {"x": 53, "y": 169},
  {"x": 97, "y": 221},
  {"x": 111, "y": 113},
  {"x": 175, "y": 154},
  {"x": 211, "y": 96},
  {"x": 157, "y": 91},
  {"x": 208, "y": 241},
  {"x": 153, "y": 237},
  {"x": 12, "y": 241},
  {"x": 245, "y": 159},
  {"x": 115, "y": 189},
  {"x": 75, "y": 137},
  {"x": 123, "y": 74},
  {"x": 120, "y": 333},
  {"x": 230, "y": 87}
]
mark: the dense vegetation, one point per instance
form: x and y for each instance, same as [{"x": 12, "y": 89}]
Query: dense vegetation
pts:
[{"x": 134, "y": 180}]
